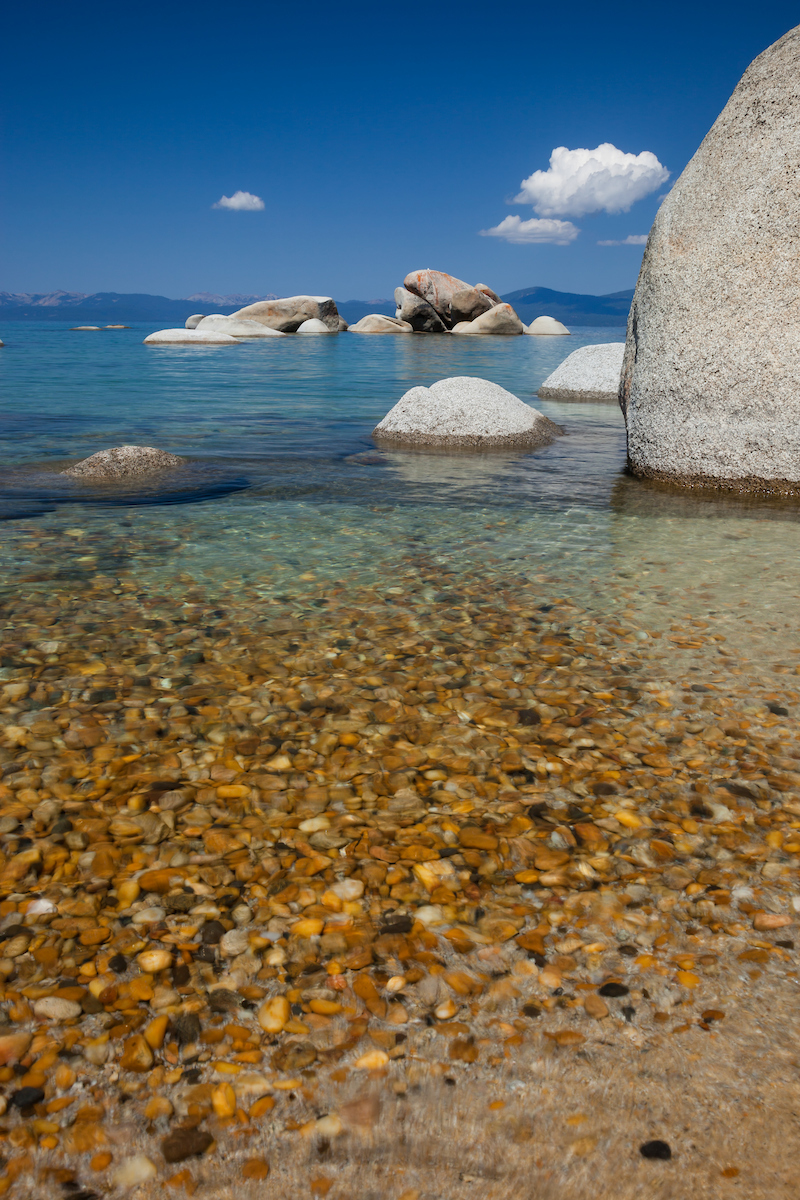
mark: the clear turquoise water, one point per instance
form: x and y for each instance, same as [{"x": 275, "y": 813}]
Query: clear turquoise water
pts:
[{"x": 291, "y": 419}]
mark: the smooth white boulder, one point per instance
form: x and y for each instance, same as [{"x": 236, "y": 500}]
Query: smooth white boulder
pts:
[
  {"x": 236, "y": 327},
  {"x": 378, "y": 323},
  {"x": 121, "y": 462},
  {"x": 498, "y": 320},
  {"x": 591, "y": 373},
  {"x": 83, "y": 328},
  {"x": 547, "y": 327},
  {"x": 189, "y": 337},
  {"x": 194, "y": 320},
  {"x": 463, "y": 411},
  {"x": 289, "y": 313},
  {"x": 314, "y": 325}
]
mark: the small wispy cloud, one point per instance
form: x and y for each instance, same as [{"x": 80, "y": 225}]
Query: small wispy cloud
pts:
[
  {"x": 578, "y": 182},
  {"x": 633, "y": 239},
  {"x": 536, "y": 232},
  {"x": 240, "y": 202}
]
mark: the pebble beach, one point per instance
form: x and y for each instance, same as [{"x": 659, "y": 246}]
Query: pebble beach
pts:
[{"x": 448, "y": 864}]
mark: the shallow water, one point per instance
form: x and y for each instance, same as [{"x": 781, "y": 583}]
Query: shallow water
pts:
[{"x": 295, "y": 500}]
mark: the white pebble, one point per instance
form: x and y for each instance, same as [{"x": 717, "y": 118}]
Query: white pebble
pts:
[
  {"x": 133, "y": 1171},
  {"x": 54, "y": 1008},
  {"x": 348, "y": 889}
]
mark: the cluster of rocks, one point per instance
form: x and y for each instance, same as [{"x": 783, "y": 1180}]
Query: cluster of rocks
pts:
[
  {"x": 434, "y": 302},
  {"x": 265, "y": 318},
  {"x": 429, "y": 302}
]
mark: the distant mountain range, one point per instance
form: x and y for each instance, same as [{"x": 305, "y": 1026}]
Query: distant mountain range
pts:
[
  {"x": 571, "y": 307},
  {"x": 118, "y": 307},
  {"x": 114, "y": 307}
]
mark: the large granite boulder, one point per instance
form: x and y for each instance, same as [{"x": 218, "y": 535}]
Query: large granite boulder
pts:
[
  {"x": 194, "y": 320},
  {"x": 418, "y": 313},
  {"x": 189, "y": 337},
  {"x": 464, "y": 412},
  {"x": 378, "y": 323},
  {"x": 712, "y": 362},
  {"x": 124, "y": 462},
  {"x": 453, "y": 299},
  {"x": 288, "y": 314},
  {"x": 591, "y": 373},
  {"x": 501, "y": 320},
  {"x": 547, "y": 327},
  {"x": 237, "y": 327}
]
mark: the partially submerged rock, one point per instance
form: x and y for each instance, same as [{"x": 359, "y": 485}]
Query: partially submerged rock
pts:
[
  {"x": 124, "y": 462},
  {"x": 195, "y": 319},
  {"x": 591, "y": 373},
  {"x": 418, "y": 313},
  {"x": 709, "y": 383},
  {"x": 453, "y": 299},
  {"x": 289, "y": 313},
  {"x": 189, "y": 337},
  {"x": 464, "y": 411},
  {"x": 236, "y": 327},
  {"x": 378, "y": 323},
  {"x": 547, "y": 327},
  {"x": 498, "y": 320},
  {"x": 84, "y": 328},
  {"x": 314, "y": 325}
]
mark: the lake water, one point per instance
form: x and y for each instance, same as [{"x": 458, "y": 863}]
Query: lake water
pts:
[{"x": 293, "y": 500}]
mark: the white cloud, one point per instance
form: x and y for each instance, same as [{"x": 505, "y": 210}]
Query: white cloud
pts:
[
  {"x": 534, "y": 232},
  {"x": 633, "y": 239},
  {"x": 241, "y": 202},
  {"x": 584, "y": 181}
]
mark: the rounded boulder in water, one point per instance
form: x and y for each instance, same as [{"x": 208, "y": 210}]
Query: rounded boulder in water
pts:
[
  {"x": 194, "y": 320},
  {"x": 237, "y": 327},
  {"x": 314, "y": 325},
  {"x": 464, "y": 412},
  {"x": 189, "y": 337},
  {"x": 547, "y": 327},
  {"x": 590, "y": 373},
  {"x": 500, "y": 320},
  {"x": 124, "y": 462},
  {"x": 378, "y": 323}
]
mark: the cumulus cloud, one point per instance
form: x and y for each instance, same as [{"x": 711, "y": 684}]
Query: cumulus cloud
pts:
[
  {"x": 241, "y": 202},
  {"x": 578, "y": 182},
  {"x": 534, "y": 232},
  {"x": 633, "y": 239}
]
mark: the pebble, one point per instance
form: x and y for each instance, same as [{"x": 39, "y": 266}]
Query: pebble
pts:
[
  {"x": 656, "y": 1149},
  {"x": 185, "y": 1143},
  {"x": 26, "y": 1097},
  {"x": 54, "y": 1008},
  {"x": 133, "y": 1171}
]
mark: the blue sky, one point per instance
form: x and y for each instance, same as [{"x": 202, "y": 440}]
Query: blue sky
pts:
[{"x": 381, "y": 138}]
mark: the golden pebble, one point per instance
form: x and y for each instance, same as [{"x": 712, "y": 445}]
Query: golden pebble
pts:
[
  {"x": 152, "y": 961},
  {"x": 274, "y": 1013}
]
